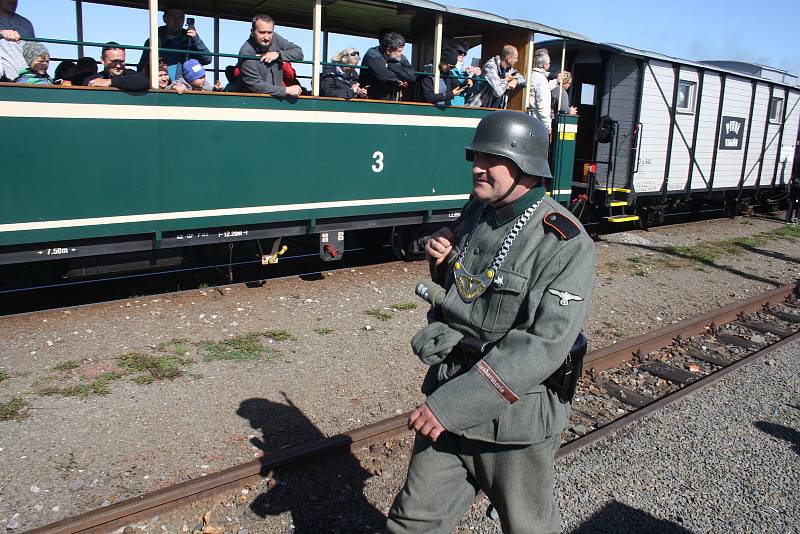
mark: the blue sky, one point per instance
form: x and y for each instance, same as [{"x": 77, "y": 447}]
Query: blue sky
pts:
[{"x": 762, "y": 32}]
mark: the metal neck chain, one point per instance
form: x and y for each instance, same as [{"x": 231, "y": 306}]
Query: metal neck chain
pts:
[{"x": 500, "y": 257}]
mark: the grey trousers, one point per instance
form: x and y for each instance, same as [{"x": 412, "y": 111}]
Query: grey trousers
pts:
[{"x": 444, "y": 478}]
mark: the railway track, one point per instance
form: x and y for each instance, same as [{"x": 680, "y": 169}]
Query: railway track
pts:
[{"x": 621, "y": 384}]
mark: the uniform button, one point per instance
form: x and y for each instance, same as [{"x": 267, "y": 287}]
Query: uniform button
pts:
[{"x": 476, "y": 252}]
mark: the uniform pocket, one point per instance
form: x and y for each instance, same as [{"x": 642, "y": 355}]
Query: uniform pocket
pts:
[
  {"x": 524, "y": 422},
  {"x": 496, "y": 310}
]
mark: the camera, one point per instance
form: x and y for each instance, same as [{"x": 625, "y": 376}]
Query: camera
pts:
[{"x": 189, "y": 23}]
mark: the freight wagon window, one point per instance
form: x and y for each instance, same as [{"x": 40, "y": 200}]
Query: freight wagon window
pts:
[
  {"x": 587, "y": 94},
  {"x": 686, "y": 92},
  {"x": 776, "y": 109}
]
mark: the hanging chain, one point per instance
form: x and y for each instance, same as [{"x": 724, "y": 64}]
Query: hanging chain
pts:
[{"x": 500, "y": 257}]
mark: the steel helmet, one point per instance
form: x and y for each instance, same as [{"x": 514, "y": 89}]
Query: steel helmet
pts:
[{"x": 518, "y": 136}]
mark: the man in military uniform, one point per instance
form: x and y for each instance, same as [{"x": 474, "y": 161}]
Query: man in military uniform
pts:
[{"x": 518, "y": 271}]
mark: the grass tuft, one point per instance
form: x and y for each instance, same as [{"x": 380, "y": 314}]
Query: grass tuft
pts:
[
  {"x": 179, "y": 347},
  {"x": 323, "y": 331},
  {"x": 166, "y": 367},
  {"x": 280, "y": 335},
  {"x": 4, "y": 375},
  {"x": 66, "y": 465},
  {"x": 15, "y": 410},
  {"x": 66, "y": 366},
  {"x": 380, "y": 315},
  {"x": 241, "y": 348},
  {"x": 404, "y": 306}
]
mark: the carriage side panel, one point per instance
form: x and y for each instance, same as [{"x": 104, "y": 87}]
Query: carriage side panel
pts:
[
  {"x": 655, "y": 119},
  {"x": 754, "y": 152},
  {"x": 783, "y": 173},
  {"x": 704, "y": 149},
  {"x": 682, "y": 138},
  {"x": 619, "y": 95},
  {"x": 736, "y": 105}
]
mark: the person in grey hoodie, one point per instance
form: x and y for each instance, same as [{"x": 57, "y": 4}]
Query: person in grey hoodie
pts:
[
  {"x": 500, "y": 80},
  {"x": 264, "y": 75}
]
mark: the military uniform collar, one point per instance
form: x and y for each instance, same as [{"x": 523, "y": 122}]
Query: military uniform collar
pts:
[{"x": 500, "y": 216}]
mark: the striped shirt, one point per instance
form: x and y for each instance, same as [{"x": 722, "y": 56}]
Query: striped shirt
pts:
[{"x": 11, "y": 53}]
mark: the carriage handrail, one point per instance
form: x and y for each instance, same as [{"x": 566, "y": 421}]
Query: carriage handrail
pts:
[{"x": 213, "y": 54}]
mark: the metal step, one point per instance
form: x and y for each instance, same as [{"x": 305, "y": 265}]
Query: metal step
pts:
[
  {"x": 622, "y": 218},
  {"x": 615, "y": 189},
  {"x": 617, "y": 203}
]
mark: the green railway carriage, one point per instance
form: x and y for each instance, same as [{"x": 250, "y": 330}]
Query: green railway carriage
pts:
[
  {"x": 284, "y": 168},
  {"x": 158, "y": 172}
]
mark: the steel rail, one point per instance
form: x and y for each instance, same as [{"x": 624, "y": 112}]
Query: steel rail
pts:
[{"x": 174, "y": 497}]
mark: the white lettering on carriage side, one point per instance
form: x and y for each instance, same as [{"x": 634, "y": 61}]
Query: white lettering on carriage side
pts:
[
  {"x": 378, "y": 165},
  {"x": 58, "y": 251}
]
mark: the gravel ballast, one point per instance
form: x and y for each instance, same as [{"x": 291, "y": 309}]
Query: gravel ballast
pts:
[
  {"x": 725, "y": 459},
  {"x": 97, "y": 426}
]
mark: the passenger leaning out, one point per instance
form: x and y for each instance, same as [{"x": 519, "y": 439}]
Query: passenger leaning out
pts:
[
  {"x": 38, "y": 60},
  {"x": 386, "y": 75},
  {"x": 173, "y": 35},
  {"x": 115, "y": 74},
  {"x": 501, "y": 79},
  {"x": 265, "y": 74},
  {"x": 449, "y": 85},
  {"x": 340, "y": 80},
  {"x": 193, "y": 78},
  {"x": 541, "y": 88}
]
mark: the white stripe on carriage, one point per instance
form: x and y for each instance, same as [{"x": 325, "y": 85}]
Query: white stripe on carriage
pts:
[
  {"x": 148, "y": 217},
  {"x": 51, "y": 110}
]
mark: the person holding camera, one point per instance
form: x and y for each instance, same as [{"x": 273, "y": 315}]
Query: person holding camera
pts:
[
  {"x": 174, "y": 35},
  {"x": 500, "y": 80},
  {"x": 449, "y": 85},
  {"x": 462, "y": 73},
  {"x": 517, "y": 271}
]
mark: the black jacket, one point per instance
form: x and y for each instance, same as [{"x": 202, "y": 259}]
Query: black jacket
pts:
[
  {"x": 442, "y": 98},
  {"x": 129, "y": 80},
  {"x": 265, "y": 78},
  {"x": 381, "y": 76},
  {"x": 336, "y": 82}
]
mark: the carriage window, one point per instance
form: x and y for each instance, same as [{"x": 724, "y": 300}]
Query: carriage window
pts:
[
  {"x": 587, "y": 94},
  {"x": 686, "y": 96},
  {"x": 776, "y": 109}
]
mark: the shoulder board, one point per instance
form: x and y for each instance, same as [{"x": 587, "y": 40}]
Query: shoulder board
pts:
[{"x": 560, "y": 225}]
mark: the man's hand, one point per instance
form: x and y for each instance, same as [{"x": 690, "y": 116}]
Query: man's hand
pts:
[
  {"x": 402, "y": 84},
  {"x": 458, "y": 90},
  {"x": 100, "y": 82},
  {"x": 423, "y": 421},
  {"x": 294, "y": 90},
  {"x": 191, "y": 33},
  {"x": 559, "y": 76},
  {"x": 218, "y": 85},
  {"x": 573, "y": 110},
  {"x": 10, "y": 35},
  {"x": 476, "y": 71},
  {"x": 269, "y": 57},
  {"x": 440, "y": 245},
  {"x": 513, "y": 83}
]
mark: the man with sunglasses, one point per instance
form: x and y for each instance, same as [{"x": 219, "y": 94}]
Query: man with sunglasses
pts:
[{"x": 114, "y": 73}]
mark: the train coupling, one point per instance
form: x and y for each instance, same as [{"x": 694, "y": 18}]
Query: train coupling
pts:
[
  {"x": 272, "y": 259},
  {"x": 331, "y": 245}
]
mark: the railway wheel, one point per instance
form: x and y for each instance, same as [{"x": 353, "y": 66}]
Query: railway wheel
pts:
[{"x": 407, "y": 242}]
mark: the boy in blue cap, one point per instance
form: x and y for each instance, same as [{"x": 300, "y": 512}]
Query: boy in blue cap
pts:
[{"x": 193, "y": 78}]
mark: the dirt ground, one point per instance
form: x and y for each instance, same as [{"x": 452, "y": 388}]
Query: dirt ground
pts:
[{"x": 106, "y": 402}]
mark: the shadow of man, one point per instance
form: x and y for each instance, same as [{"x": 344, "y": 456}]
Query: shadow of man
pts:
[
  {"x": 618, "y": 518},
  {"x": 781, "y": 432},
  {"x": 321, "y": 498}
]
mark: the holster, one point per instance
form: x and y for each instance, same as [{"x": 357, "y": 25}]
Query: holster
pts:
[
  {"x": 565, "y": 379},
  {"x": 562, "y": 382}
]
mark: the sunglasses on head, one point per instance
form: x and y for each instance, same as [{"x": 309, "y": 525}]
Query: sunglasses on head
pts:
[{"x": 354, "y": 53}]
